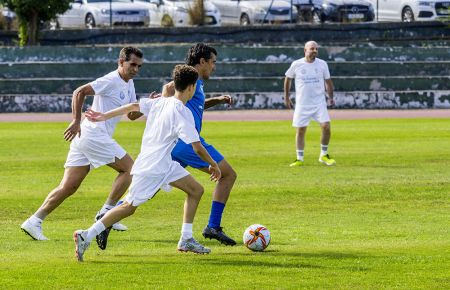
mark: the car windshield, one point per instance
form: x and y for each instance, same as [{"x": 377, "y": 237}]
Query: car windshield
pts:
[{"x": 98, "y": 1}]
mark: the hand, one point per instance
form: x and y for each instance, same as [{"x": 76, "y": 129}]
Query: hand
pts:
[
  {"x": 168, "y": 89},
  {"x": 215, "y": 172},
  {"x": 331, "y": 102},
  {"x": 72, "y": 130},
  {"x": 94, "y": 116},
  {"x": 288, "y": 103},
  {"x": 134, "y": 115},
  {"x": 226, "y": 99},
  {"x": 154, "y": 95}
]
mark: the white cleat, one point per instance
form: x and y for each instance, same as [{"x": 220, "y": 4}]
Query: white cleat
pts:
[
  {"x": 119, "y": 227},
  {"x": 81, "y": 245},
  {"x": 33, "y": 231}
]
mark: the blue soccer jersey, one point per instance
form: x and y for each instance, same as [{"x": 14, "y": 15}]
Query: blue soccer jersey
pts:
[{"x": 183, "y": 153}]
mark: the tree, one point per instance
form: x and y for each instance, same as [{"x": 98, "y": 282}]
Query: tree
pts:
[{"x": 31, "y": 13}]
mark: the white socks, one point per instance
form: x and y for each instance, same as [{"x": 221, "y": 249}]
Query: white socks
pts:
[
  {"x": 324, "y": 150},
  {"x": 186, "y": 231},
  {"x": 300, "y": 155},
  {"x": 94, "y": 230},
  {"x": 105, "y": 208}
]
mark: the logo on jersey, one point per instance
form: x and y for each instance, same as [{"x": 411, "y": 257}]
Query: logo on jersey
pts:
[
  {"x": 200, "y": 107},
  {"x": 122, "y": 95}
]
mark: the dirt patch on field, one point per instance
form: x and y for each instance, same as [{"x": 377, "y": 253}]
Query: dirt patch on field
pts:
[{"x": 253, "y": 115}]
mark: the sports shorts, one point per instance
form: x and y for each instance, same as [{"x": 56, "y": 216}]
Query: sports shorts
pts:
[
  {"x": 95, "y": 151},
  {"x": 144, "y": 187},
  {"x": 303, "y": 115},
  {"x": 185, "y": 155}
]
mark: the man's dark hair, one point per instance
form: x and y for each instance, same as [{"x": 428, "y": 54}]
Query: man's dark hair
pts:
[
  {"x": 183, "y": 76},
  {"x": 126, "y": 52},
  {"x": 198, "y": 51}
]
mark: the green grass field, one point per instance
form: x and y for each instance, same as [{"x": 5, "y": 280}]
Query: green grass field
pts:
[{"x": 379, "y": 219}]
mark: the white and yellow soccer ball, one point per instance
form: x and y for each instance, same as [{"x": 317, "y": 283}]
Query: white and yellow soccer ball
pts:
[{"x": 257, "y": 237}]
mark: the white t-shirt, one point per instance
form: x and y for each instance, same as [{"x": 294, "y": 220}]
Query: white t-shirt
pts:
[
  {"x": 167, "y": 120},
  {"x": 309, "y": 81},
  {"x": 111, "y": 92}
]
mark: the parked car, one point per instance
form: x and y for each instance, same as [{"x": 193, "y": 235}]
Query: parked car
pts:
[
  {"x": 345, "y": 11},
  {"x": 246, "y": 12},
  {"x": 176, "y": 12},
  {"x": 93, "y": 13},
  {"x": 411, "y": 10}
]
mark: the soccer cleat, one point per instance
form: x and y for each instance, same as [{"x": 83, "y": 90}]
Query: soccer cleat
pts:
[
  {"x": 117, "y": 226},
  {"x": 102, "y": 238},
  {"x": 33, "y": 231},
  {"x": 218, "y": 234},
  {"x": 326, "y": 159},
  {"x": 80, "y": 244},
  {"x": 296, "y": 163},
  {"x": 191, "y": 245}
]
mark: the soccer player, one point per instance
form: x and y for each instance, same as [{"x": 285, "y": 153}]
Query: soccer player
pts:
[
  {"x": 92, "y": 144},
  {"x": 312, "y": 79},
  {"x": 167, "y": 120},
  {"x": 203, "y": 58}
]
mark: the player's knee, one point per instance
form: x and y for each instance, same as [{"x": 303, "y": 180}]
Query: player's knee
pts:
[
  {"x": 326, "y": 127},
  {"x": 69, "y": 188},
  {"x": 197, "y": 191},
  {"x": 231, "y": 175}
]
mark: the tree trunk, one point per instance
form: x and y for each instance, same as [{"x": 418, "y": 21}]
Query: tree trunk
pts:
[{"x": 33, "y": 29}]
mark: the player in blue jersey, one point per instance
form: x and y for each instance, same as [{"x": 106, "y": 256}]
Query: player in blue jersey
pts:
[{"x": 203, "y": 58}]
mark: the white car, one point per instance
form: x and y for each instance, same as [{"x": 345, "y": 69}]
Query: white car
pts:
[
  {"x": 246, "y": 12},
  {"x": 177, "y": 12},
  {"x": 93, "y": 13},
  {"x": 411, "y": 10}
]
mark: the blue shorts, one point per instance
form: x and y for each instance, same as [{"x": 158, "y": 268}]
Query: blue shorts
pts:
[{"x": 185, "y": 155}]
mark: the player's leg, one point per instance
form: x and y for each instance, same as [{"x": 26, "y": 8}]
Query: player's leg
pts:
[
  {"x": 194, "y": 192},
  {"x": 73, "y": 177},
  {"x": 323, "y": 118},
  {"x": 300, "y": 146},
  {"x": 119, "y": 187}
]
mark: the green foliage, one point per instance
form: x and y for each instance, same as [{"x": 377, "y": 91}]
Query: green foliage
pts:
[
  {"x": 377, "y": 220},
  {"x": 32, "y": 13}
]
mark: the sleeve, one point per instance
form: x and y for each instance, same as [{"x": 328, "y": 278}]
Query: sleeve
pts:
[
  {"x": 102, "y": 86},
  {"x": 185, "y": 126},
  {"x": 290, "y": 73},
  {"x": 326, "y": 71},
  {"x": 132, "y": 93},
  {"x": 145, "y": 104}
]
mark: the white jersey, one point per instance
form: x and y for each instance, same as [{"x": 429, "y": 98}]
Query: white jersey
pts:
[
  {"x": 309, "y": 81},
  {"x": 111, "y": 92},
  {"x": 167, "y": 120}
]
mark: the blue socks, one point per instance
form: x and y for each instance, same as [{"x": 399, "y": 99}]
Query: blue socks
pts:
[{"x": 216, "y": 214}]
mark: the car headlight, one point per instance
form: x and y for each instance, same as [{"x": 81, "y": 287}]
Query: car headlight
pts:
[
  {"x": 260, "y": 10},
  {"x": 105, "y": 11},
  {"x": 424, "y": 3}
]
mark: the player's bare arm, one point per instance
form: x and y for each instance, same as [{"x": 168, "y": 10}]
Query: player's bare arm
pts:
[
  {"x": 94, "y": 116},
  {"x": 134, "y": 115},
  {"x": 287, "y": 89},
  {"x": 211, "y": 102},
  {"x": 78, "y": 97},
  {"x": 213, "y": 166},
  {"x": 329, "y": 88}
]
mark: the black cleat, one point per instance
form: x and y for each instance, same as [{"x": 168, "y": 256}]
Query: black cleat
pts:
[
  {"x": 102, "y": 238},
  {"x": 218, "y": 234}
]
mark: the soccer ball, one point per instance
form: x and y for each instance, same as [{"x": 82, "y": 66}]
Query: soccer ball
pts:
[{"x": 256, "y": 237}]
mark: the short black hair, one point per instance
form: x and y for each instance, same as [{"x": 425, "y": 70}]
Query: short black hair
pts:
[
  {"x": 198, "y": 51},
  {"x": 183, "y": 76},
  {"x": 126, "y": 52}
]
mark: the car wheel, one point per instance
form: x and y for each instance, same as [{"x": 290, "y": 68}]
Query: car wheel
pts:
[
  {"x": 245, "y": 20},
  {"x": 407, "y": 15},
  {"x": 89, "y": 22},
  {"x": 167, "y": 21}
]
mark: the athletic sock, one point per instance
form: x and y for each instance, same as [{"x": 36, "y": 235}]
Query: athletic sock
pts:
[
  {"x": 300, "y": 155},
  {"x": 106, "y": 207},
  {"x": 215, "y": 218},
  {"x": 186, "y": 231},
  {"x": 35, "y": 221},
  {"x": 94, "y": 230},
  {"x": 324, "y": 150}
]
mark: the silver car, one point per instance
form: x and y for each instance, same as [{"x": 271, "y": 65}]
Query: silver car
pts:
[
  {"x": 246, "y": 12},
  {"x": 93, "y": 13}
]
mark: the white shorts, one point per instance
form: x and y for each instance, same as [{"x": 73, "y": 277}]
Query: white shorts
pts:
[
  {"x": 144, "y": 187},
  {"x": 94, "y": 151},
  {"x": 302, "y": 115}
]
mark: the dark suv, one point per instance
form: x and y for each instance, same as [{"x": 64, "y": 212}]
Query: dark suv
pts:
[{"x": 344, "y": 11}]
